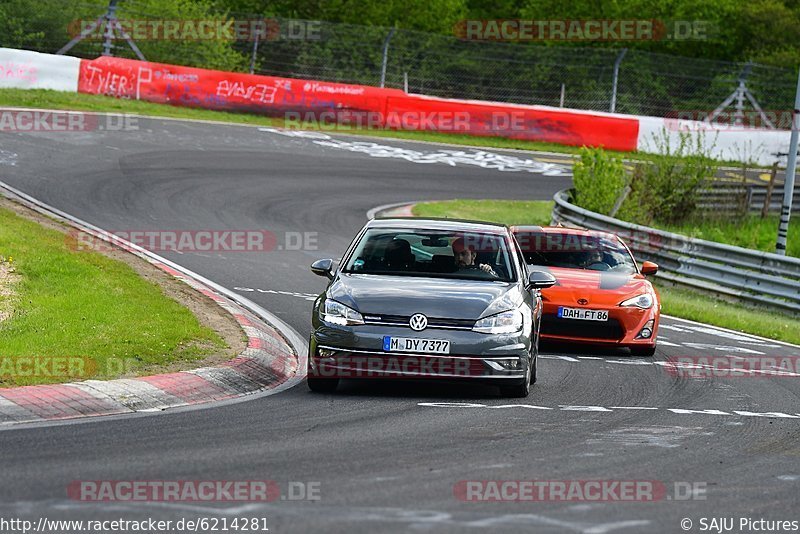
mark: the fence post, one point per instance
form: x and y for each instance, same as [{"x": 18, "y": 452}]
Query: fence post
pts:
[
  {"x": 770, "y": 187},
  {"x": 405, "y": 82},
  {"x": 111, "y": 16},
  {"x": 561, "y": 100},
  {"x": 616, "y": 79},
  {"x": 385, "y": 56},
  {"x": 253, "y": 57},
  {"x": 788, "y": 182}
]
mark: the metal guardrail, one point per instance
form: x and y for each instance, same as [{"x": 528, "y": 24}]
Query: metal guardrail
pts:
[
  {"x": 730, "y": 198},
  {"x": 759, "y": 277}
]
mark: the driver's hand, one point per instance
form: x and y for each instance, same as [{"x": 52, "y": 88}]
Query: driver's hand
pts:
[{"x": 487, "y": 269}]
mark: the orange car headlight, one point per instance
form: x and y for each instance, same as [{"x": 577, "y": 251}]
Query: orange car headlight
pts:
[{"x": 644, "y": 301}]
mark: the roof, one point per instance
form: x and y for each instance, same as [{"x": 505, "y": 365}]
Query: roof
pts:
[
  {"x": 564, "y": 230},
  {"x": 433, "y": 223}
]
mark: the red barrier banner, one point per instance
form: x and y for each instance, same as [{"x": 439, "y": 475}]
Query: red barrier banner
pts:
[
  {"x": 324, "y": 102},
  {"x": 202, "y": 88},
  {"x": 516, "y": 122}
]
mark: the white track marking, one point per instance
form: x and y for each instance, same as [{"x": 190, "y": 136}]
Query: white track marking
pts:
[{"x": 612, "y": 409}]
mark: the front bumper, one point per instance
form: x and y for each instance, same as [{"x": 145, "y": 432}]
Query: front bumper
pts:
[
  {"x": 357, "y": 352},
  {"x": 623, "y": 328}
]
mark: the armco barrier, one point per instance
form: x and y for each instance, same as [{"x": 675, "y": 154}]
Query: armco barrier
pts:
[
  {"x": 733, "y": 198},
  {"x": 759, "y": 277}
]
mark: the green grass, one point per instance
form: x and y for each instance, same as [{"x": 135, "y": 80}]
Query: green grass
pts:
[
  {"x": 86, "y": 305},
  {"x": 676, "y": 301},
  {"x": 532, "y": 212},
  {"x": 48, "y": 99},
  {"x": 750, "y": 231}
]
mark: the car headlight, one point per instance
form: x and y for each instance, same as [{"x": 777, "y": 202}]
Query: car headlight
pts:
[
  {"x": 337, "y": 313},
  {"x": 643, "y": 301},
  {"x": 507, "y": 322}
]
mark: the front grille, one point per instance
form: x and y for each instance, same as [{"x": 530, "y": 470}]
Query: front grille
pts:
[
  {"x": 555, "y": 326},
  {"x": 433, "y": 322}
]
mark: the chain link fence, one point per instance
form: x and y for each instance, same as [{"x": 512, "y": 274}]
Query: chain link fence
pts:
[{"x": 432, "y": 64}]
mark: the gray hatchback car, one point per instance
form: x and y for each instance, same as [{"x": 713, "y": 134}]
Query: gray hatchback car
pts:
[{"x": 428, "y": 298}]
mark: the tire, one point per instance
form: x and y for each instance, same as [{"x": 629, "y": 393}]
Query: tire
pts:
[
  {"x": 322, "y": 385},
  {"x": 646, "y": 350},
  {"x": 523, "y": 389}
]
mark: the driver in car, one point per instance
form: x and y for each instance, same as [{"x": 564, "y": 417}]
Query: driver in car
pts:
[
  {"x": 593, "y": 259},
  {"x": 465, "y": 257}
]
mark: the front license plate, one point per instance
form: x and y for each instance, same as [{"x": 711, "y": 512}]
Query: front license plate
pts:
[
  {"x": 582, "y": 314},
  {"x": 410, "y": 344}
]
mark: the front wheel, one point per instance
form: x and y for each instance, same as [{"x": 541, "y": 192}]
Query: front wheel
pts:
[{"x": 523, "y": 389}]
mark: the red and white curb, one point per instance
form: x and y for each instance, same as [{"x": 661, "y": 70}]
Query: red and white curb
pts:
[{"x": 273, "y": 360}]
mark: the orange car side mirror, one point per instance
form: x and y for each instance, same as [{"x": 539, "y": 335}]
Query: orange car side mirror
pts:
[{"x": 648, "y": 267}]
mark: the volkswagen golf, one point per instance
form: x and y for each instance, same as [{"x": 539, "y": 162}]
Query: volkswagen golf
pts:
[{"x": 428, "y": 298}]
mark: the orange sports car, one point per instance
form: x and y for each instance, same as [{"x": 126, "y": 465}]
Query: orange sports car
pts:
[{"x": 601, "y": 296}]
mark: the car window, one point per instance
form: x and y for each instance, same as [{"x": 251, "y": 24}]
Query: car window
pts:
[
  {"x": 592, "y": 251},
  {"x": 432, "y": 253}
]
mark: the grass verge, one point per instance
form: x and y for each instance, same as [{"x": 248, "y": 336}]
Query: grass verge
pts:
[
  {"x": 675, "y": 301},
  {"x": 83, "y": 315},
  {"x": 750, "y": 231},
  {"x": 48, "y": 99}
]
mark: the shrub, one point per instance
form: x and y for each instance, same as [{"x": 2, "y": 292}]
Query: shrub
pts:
[
  {"x": 599, "y": 180},
  {"x": 666, "y": 189}
]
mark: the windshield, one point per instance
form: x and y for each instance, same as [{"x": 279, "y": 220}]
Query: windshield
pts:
[
  {"x": 438, "y": 254},
  {"x": 598, "y": 252}
]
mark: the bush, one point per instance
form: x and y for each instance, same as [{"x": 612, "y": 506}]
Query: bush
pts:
[
  {"x": 666, "y": 189},
  {"x": 599, "y": 180}
]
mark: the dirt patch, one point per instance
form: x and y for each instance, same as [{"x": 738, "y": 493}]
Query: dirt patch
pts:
[
  {"x": 208, "y": 313},
  {"x": 8, "y": 279}
]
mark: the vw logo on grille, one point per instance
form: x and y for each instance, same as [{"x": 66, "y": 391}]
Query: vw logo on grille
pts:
[
  {"x": 583, "y": 301},
  {"x": 418, "y": 322}
]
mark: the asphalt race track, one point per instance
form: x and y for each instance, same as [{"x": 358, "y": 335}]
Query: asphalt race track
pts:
[{"x": 387, "y": 455}]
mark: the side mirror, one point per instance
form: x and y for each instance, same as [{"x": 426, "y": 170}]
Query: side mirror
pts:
[
  {"x": 323, "y": 268},
  {"x": 540, "y": 280},
  {"x": 648, "y": 267}
]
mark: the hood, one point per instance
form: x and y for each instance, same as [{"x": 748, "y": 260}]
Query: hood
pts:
[
  {"x": 434, "y": 297},
  {"x": 597, "y": 287}
]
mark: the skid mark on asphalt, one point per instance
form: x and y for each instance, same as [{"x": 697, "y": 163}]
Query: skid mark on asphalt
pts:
[
  {"x": 668, "y": 437},
  {"x": 8, "y": 158},
  {"x": 475, "y": 158}
]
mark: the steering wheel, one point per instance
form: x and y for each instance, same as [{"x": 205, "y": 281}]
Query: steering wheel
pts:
[{"x": 599, "y": 266}]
